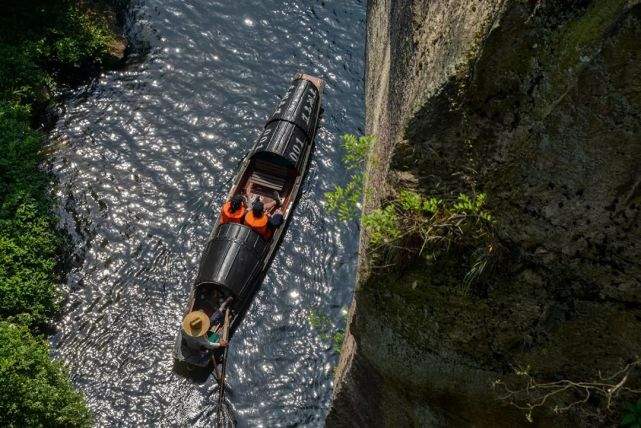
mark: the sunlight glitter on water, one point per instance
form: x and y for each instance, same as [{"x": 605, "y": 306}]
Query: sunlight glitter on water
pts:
[{"x": 150, "y": 151}]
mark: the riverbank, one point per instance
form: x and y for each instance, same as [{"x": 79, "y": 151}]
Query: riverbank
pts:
[
  {"x": 531, "y": 112},
  {"x": 43, "y": 46}
]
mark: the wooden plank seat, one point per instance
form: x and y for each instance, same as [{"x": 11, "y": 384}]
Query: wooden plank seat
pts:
[
  {"x": 265, "y": 192},
  {"x": 268, "y": 180},
  {"x": 270, "y": 168}
]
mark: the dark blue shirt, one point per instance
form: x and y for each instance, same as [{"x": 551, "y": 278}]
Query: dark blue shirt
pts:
[
  {"x": 217, "y": 317},
  {"x": 275, "y": 221}
]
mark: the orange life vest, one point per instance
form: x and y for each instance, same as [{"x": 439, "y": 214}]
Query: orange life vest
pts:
[
  {"x": 259, "y": 224},
  {"x": 232, "y": 217}
]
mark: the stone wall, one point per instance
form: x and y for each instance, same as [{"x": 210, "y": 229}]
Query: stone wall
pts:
[{"x": 537, "y": 104}]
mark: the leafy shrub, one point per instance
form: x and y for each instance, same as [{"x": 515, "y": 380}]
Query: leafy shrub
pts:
[
  {"x": 35, "y": 390},
  {"x": 337, "y": 340},
  {"x": 323, "y": 324},
  {"x": 411, "y": 226},
  {"x": 40, "y": 39},
  {"x": 431, "y": 205},
  {"x": 88, "y": 42},
  {"x": 410, "y": 201},
  {"x": 28, "y": 246},
  {"x": 472, "y": 206},
  {"x": 28, "y": 241},
  {"x": 356, "y": 149},
  {"x": 345, "y": 200},
  {"x": 21, "y": 78},
  {"x": 41, "y": 42},
  {"x": 19, "y": 158},
  {"x": 382, "y": 225}
]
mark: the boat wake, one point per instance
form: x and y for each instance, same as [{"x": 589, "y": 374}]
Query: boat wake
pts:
[{"x": 223, "y": 414}]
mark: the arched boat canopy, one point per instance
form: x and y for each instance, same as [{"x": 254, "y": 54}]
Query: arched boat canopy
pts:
[
  {"x": 290, "y": 129},
  {"x": 231, "y": 259}
]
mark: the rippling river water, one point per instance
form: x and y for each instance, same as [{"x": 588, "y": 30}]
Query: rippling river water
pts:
[{"x": 144, "y": 156}]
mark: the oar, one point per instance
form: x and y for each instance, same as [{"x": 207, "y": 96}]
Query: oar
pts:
[{"x": 221, "y": 392}]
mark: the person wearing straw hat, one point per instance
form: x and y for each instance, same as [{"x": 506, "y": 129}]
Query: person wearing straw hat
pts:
[{"x": 195, "y": 327}]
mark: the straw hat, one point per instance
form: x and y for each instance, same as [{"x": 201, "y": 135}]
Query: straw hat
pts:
[{"x": 196, "y": 323}]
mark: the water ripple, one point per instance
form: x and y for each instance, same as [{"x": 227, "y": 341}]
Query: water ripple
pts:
[{"x": 143, "y": 158}]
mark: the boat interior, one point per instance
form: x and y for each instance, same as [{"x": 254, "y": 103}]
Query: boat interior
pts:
[
  {"x": 263, "y": 177},
  {"x": 208, "y": 298}
]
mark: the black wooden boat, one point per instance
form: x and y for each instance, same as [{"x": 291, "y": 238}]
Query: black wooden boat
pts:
[{"x": 236, "y": 258}]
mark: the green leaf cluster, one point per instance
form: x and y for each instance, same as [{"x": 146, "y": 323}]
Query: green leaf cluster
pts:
[
  {"x": 42, "y": 42},
  {"x": 29, "y": 243},
  {"x": 35, "y": 391},
  {"x": 382, "y": 225},
  {"x": 410, "y": 201},
  {"x": 472, "y": 206},
  {"x": 411, "y": 225},
  {"x": 345, "y": 200},
  {"x": 356, "y": 150},
  {"x": 323, "y": 324},
  {"x": 431, "y": 205}
]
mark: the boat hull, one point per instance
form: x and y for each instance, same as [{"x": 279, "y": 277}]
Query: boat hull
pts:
[{"x": 236, "y": 258}]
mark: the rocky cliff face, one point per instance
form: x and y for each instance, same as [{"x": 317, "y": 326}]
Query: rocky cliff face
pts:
[{"x": 538, "y": 105}]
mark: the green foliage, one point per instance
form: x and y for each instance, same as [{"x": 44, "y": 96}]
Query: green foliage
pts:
[
  {"x": 19, "y": 158},
  {"x": 632, "y": 416},
  {"x": 43, "y": 41},
  {"x": 382, "y": 225},
  {"x": 356, "y": 149},
  {"x": 21, "y": 78},
  {"x": 28, "y": 241},
  {"x": 35, "y": 390},
  {"x": 345, "y": 200},
  {"x": 411, "y": 225},
  {"x": 323, "y": 324},
  {"x": 472, "y": 206},
  {"x": 410, "y": 201},
  {"x": 337, "y": 340},
  {"x": 28, "y": 246},
  {"x": 431, "y": 205},
  {"x": 89, "y": 40}
]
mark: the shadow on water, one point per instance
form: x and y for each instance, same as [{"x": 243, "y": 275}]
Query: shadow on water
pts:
[
  {"x": 224, "y": 416},
  {"x": 144, "y": 156},
  {"x": 195, "y": 374}
]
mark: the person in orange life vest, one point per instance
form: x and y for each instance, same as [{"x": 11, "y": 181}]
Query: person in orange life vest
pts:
[
  {"x": 233, "y": 210},
  {"x": 257, "y": 218}
]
